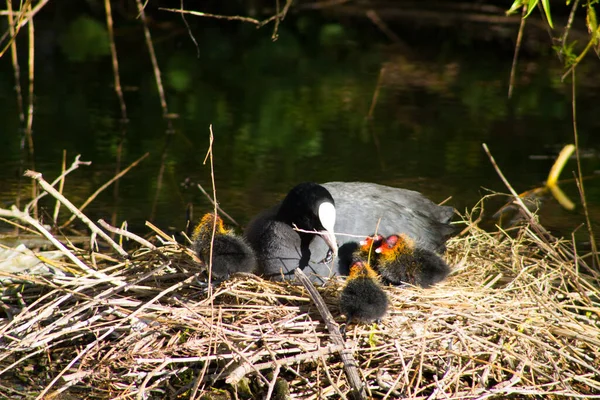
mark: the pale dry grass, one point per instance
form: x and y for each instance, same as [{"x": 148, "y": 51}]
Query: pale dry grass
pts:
[{"x": 515, "y": 318}]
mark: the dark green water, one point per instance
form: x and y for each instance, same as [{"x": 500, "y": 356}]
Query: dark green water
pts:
[{"x": 295, "y": 110}]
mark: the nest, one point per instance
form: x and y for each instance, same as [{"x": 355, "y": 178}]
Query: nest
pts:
[{"x": 518, "y": 317}]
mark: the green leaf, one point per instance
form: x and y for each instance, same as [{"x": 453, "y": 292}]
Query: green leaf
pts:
[
  {"x": 530, "y": 7},
  {"x": 515, "y": 6},
  {"x": 546, "y": 5},
  {"x": 591, "y": 20}
]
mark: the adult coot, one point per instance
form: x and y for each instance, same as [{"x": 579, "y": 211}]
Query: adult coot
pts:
[
  {"x": 401, "y": 262},
  {"x": 230, "y": 252},
  {"x": 277, "y": 238},
  {"x": 357, "y": 209}
]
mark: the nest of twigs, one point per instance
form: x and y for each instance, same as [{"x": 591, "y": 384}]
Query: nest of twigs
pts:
[{"x": 518, "y": 317}]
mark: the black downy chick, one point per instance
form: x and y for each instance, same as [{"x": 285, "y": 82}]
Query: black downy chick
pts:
[
  {"x": 231, "y": 253},
  {"x": 362, "y": 298},
  {"x": 400, "y": 262}
]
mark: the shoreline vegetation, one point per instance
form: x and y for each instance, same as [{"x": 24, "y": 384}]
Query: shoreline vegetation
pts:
[{"x": 518, "y": 316}]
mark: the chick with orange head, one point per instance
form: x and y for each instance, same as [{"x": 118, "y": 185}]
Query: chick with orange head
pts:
[
  {"x": 366, "y": 249},
  {"x": 230, "y": 253},
  {"x": 401, "y": 262},
  {"x": 362, "y": 298}
]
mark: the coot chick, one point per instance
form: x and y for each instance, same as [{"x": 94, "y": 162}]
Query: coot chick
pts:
[
  {"x": 231, "y": 253},
  {"x": 400, "y": 261},
  {"x": 362, "y": 298},
  {"x": 357, "y": 208},
  {"x": 366, "y": 251}
]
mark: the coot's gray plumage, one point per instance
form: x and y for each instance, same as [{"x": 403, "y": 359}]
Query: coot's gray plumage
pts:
[{"x": 360, "y": 209}]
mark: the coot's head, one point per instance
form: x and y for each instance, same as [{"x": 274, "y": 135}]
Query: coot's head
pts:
[{"x": 310, "y": 207}]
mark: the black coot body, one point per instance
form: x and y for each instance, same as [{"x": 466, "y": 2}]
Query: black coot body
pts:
[
  {"x": 231, "y": 253},
  {"x": 279, "y": 248},
  {"x": 363, "y": 298},
  {"x": 400, "y": 261},
  {"x": 361, "y": 209}
]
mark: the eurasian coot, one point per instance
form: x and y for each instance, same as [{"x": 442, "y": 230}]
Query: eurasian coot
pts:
[{"x": 351, "y": 210}]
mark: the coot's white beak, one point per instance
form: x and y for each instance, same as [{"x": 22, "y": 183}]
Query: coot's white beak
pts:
[
  {"x": 329, "y": 238},
  {"x": 327, "y": 218}
]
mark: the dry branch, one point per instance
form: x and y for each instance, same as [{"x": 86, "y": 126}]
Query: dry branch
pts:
[{"x": 54, "y": 193}]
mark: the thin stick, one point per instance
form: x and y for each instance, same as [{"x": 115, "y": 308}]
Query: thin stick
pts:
[
  {"x": 336, "y": 337},
  {"x": 273, "y": 382},
  {"x": 16, "y": 213},
  {"x": 221, "y": 211},
  {"x": 202, "y": 14},
  {"x": 508, "y": 185},
  {"x": 115, "y": 60},
  {"x": 74, "y": 360},
  {"x": 278, "y": 17},
  {"x": 563, "y": 40},
  {"x": 29, "y": 16},
  {"x": 153, "y": 59},
  {"x": 596, "y": 258},
  {"x": 295, "y": 227},
  {"x": 209, "y": 155},
  {"x": 513, "y": 68},
  {"x": 54, "y": 193},
  {"x": 75, "y": 165},
  {"x": 61, "y": 186},
  {"x": 127, "y": 234},
  {"x": 29, "y": 126},
  {"x": 376, "y": 95},
  {"x": 383, "y": 27},
  {"x": 103, "y": 187},
  {"x": 15, "y": 62},
  {"x": 238, "y": 373}
]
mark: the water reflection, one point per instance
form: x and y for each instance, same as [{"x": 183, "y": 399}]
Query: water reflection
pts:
[{"x": 296, "y": 110}]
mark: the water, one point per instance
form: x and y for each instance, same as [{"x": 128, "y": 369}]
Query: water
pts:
[{"x": 294, "y": 110}]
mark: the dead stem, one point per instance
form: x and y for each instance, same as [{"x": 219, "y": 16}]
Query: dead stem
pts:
[
  {"x": 115, "y": 60},
  {"x": 221, "y": 211},
  {"x": 513, "y": 68},
  {"x": 103, "y": 187},
  {"x": 54, "y": 193},
  {"x": 154, "y": 60},
  {"x": 579, "y": 177},
  {"x": 127, "y": 234}
]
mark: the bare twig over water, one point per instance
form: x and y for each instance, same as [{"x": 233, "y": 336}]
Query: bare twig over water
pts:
[
  {"x": 54, "y": 193},
  {"x": 103, "y": 187}
]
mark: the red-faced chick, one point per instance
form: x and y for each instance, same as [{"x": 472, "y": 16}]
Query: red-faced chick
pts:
[
  {"x": 230, "y": 252},
  {"x": 362, "y": 298},
  {"x": 366, "y": 250},
  {"x": 401, "y": 262}
]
